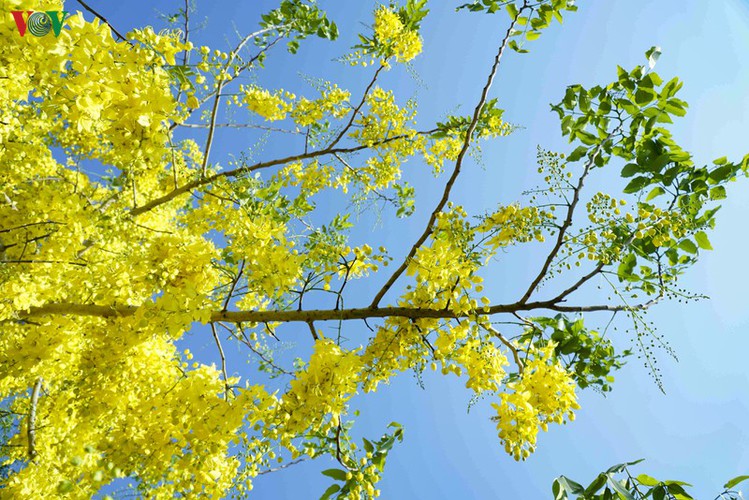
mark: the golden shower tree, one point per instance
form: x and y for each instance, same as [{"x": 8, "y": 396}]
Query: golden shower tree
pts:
[{"x": 102, "y": 274}]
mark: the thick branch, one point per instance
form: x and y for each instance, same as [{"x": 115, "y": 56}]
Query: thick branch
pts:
[
  {"x": 331, "y": 314},
  {"x": 31, "y": 424}
]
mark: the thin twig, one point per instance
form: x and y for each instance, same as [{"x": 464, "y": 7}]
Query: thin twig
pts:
[
  {"x": 102, "y": 19},
  {"x": 186, "y": 34},
  {"x": 281, "y": 467},
  {"x": 224, "y": 79},
  {"x": 357, "y": 108},
  {"x": 508, "y": 344},
  {"x": 227, "y": 388},
  {"x": 233, "y": 286},
  {"x": 565, "y": 225},
  {"x": 338, "y": 453},
  {"x": 311, "y": 325},
  {"x": 246, "y": 341},
  {"x": 258, "y": 166},
  {"x": 240, "y": 125}
]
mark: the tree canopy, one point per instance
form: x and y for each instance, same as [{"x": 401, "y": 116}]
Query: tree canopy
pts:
[{"x": 121, "y": 235}]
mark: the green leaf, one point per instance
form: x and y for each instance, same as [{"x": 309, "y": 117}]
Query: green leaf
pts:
[
  {"x": 615, "y": 469},
  {"x": 659, "y": 493},
  {"x": 578, "y": 153},
  {"x": 512, "y": 10},
  {"x": 630, "y": 169},
  {"x": 557, "y": 490},
  {"x": 721, "y": 173},
  {"x": 679, "y": 156},
  {"x": 620, "y": 489},
  {"x": 675, "y": 489},
  {"x": 329, "y": 492},
  {"x": 643, "y": 97},
  {"x": 717, "y": 193},
  {"x": 570, "y": 486},
  {"x": 653, "y": 54},
  {"x": 586, "y": 137},
  {"x": 65, "y": 486},
  {"x": 596, "y": 485},
  {"x": 514, "y": 46},
  {"x": 657, "y": 191},
  {"x": 660, "y": 162},
  {"x": 636, "y": 184},
  {"x": 688, "y": 246},
  {"x": 337, "y": 474},
  {"x": 702, "y": 240},
  {"x": 733, "y": 482},
  {"x": 647, "y": 480},
  {"x": 675, "y": 108},
  {"x": 672, "y": 481},
  {"x": 368, "y": 447}
]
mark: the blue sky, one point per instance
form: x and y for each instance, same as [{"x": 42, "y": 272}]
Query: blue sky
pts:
[{"x": 697, "y": 431}]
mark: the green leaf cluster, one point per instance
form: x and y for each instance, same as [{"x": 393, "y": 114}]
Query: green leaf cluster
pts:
[
  {"x": 587, "y": 354},
  {"x": 617, "y": 483},
  {"x": 376, "y": 453},
  {"x": 297, "y": 20},
  {"x": 531, "y": 19}
]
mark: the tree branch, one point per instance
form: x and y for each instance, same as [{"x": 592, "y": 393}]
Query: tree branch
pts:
[
  {"x": 31, "y": 424},
  {"x": 233, "y": 286},
  {"x": 313, "y": 315},
  {"x": 456, "y": 170},
  {"x": 565, "y": 225},
  {"x": 102, "y": 19},
  {"x": 227, "y": 388},
  {"x": 357, "y": 108},
  {"x": 508, "y": 344},
  {"x": 258, "y": 166}
]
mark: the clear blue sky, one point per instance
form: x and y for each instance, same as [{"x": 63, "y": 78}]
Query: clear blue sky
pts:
[{"x": 697, "y": 431}]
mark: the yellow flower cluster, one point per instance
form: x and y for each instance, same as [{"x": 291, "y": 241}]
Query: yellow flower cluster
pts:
[
  {"x": 117, "y": 405},
  {"x": 118, "y": 398},
  {"x": 444, "y": 149},
  {"x": 393, "y": 37},
  {"x": 270, "y": 106},
  {"x": 334, "y": 101},
  {"x": 603, "y": 241},
  {"x": 274, "y": 106},
  {"x": 397, "y": 346},
  {"x": 385, "y": 119},
  {"x": 311, "y": 178},
  {"x": 544, "y": 394},
  {"x": 484, "y": 364},
  {"x": 496, "y": 127},
  {"x": 460, "y": 348},
  {"x": 512, "y": 224},
  {"x": 166, "y": 44},
  {"x": 321, "y": 390}
]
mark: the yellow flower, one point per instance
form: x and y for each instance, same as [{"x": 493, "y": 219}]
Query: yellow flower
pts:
[{"x": 393, "y": 37}]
